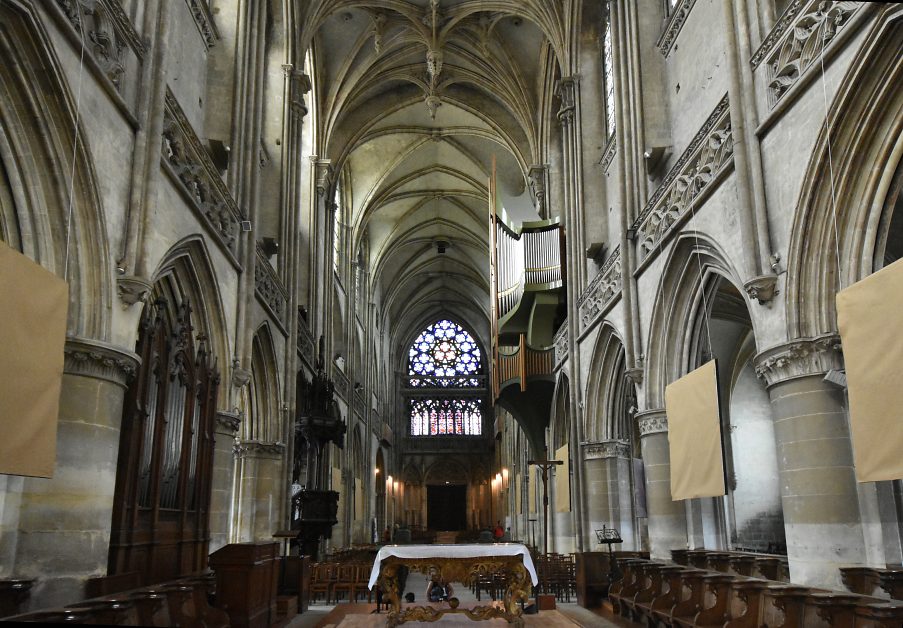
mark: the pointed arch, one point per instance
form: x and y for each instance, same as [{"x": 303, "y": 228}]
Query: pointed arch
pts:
[
  {"x": 265, "y": 421},
  {"x": 861, "y": 149},
  {"x": 39, "y": 139},
  {"x": 610, "y": 395}
]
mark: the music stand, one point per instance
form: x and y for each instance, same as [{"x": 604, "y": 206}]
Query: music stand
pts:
[{"x": 609, "y": 536}]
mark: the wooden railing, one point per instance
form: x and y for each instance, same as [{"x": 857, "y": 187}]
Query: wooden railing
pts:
[{"x": 521, "y": 363}]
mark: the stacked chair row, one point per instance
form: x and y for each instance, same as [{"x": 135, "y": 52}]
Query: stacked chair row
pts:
[
  {"x": 557, "y": 576},
  {"x": 675, "y": 595},
  {"x": 335, "y": 579},
  {"x": 185, "y": 602}
]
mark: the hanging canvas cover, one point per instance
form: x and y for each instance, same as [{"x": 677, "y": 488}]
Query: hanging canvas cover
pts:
[
  {"x": 694, "y": 434},
  {"x": 33, "y": 308},
  {"x": 870, "y": 320}
]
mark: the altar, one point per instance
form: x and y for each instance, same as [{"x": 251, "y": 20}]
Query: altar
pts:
[{"x": 456, "y": 563}]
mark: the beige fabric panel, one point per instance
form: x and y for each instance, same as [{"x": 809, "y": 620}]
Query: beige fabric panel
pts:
[
  {"x": 694, "y": 434},
  {"x": 535, "y": 482},
  {"x": 33, "y": 308},
  {"x": 870, "y": 320},
  {"x": 562, "y": 481}
]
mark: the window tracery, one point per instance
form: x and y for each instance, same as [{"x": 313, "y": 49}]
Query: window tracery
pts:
[
  {"x": 608, "y": 80},
  {"x": 445, "y": 357}
]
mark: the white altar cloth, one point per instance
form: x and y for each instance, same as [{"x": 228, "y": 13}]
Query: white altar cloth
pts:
[{"x": 452, "y": 551}]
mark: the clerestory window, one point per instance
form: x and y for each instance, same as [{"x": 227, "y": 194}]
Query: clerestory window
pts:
[{"x": 608, "y": 80}]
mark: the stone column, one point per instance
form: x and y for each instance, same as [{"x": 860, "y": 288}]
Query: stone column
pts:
[
  {"x": 267, "y": 502},
  {"x": 64, "y": 522},
  {"x": 223, "y": 478},
  {"x": 609, "y": 493},
  {"x": 667, "y": 518},
  {"x": 815, "y": 460}
]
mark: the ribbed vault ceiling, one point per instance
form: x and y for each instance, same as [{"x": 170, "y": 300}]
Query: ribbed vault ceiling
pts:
[{"x": 413, "y": 109}]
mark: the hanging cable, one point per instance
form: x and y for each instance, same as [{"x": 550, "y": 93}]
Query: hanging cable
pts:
[{"x": 75, "y": 133}]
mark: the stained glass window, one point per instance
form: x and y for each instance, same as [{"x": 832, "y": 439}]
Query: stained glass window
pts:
[
  {"x": 447, "y": 416},
  {"x": 444, "y": 355},
  {"x": 608, "y": 75}
]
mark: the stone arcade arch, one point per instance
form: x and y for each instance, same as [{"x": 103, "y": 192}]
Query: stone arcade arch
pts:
[{"x": 612, "y": 444}]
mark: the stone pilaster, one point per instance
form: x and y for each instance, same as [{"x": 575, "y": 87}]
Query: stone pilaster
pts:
[
  {"x": 267, "y": 502},
  {"x": 225, "y": 429},
  {"x": 667, "y": 518},
  {"x": 63, "y": 535},
  {"x": 607, "y": 468},
  {"x": 815, "y": 460}
]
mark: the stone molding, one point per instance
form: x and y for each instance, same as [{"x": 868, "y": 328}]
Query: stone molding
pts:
[
  {"x": 323, "y": 173},
  {"x": 536, "y": 176},
  {"x": 228, "y": 420},
  {"x": 601, "y": 291},
  {"x": 560, "y": 343},
  {"x": 762, "y": 288},
  {"x": 204, "y": 21},
  {"x": 797, "y": 42},
  {"x": 189, "y": 165},
  {"x": 566, "y": 90},
  {"x": 609, "y": 154},
  {"x": 606, "y": 449},
  {"x": 802, "y": 357},
  {"x": 701, "y": 166},
  {"x": 676, "y": 22},
  {"x": 305, "y": 341},
  {"x": 94, "y": 358},
  {"x": 269, "y": 289},
  {"x": 652, "y": 422},
  {"x": 258, "y": 449}
]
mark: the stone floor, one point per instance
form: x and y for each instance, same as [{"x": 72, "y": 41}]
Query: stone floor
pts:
[{"x": 347, "y": 615}]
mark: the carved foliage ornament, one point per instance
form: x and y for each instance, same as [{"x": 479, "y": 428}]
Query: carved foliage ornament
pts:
[
  {"x": 269, "y": 288},
  {"x": 708, "y": 156},
  {"x": 679, "y": 14},
  {"x": 92, "y": 358},
  {"x": 602, "y": 290},
  {"x": 807, "y": 34},
  {"x": 652, "y": 422},
  {"x": 561, "y": 344},
  {"x": 606, "y": 449},
  {"x": 187, "y": 161},
  {"x": 800, "y": 358}
]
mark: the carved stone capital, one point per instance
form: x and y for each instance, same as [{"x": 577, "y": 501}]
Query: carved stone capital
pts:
[
  {"x": 257, "y": 449},
  {"x": 100, "y": 360},
  {"x": 635, "y": 375},
  {"x": 762, "y": 288},
  {"x": 132, "y": 289},
  {"x": 652, "y": 422},
  {"x": 566, "y": 90},
  {"x": 800, "y": 358},
  {"x": 537, "y": 179},
  {"x": 323, "y": 175},
  {"x": 228, "y": 420},
  {"x": 606, "y": 449}
]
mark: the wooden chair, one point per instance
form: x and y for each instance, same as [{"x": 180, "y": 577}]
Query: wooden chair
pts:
[
  {"x": 323, "y": 577},
  {"x": 346, "y": 579}
]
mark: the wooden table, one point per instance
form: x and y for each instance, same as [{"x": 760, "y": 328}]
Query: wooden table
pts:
[{"x": 456, "y": 563}]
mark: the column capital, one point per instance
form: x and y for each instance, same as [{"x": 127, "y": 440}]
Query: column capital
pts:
[
  {"x": 101, "y": 360},
  {"x": 324, "y": 174},
  {"x": 652, "y": 422},
  {"x": 605, "y": 449},
  {"x": 566, "y": 90},
  {"x": 228, "y": 420},
  {"x": 258, "y": 449},
  {"x": 801, "y": 357}
]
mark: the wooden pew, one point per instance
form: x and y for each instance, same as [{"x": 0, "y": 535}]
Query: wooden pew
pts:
[
  {"x": 892, "y": 582},
  {"x": 658, "y": 585},
  {"x": 861, "y": 580},
  {"x": 784, "y": 606},
  {"x": 831, "y": 610},
  {"x": 879, "y": 615},
  {"x": 690, "y": 602},
  {"x": 715, "y": 600},
  {"x": 13, "y": 595},
  {"x": 628, "y": 577},
  {"x": 747, "y": 603}
]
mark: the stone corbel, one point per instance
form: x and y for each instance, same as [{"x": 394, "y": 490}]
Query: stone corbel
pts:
[
  {"x": 323, "y": 175},
  {"x": 635, "y": 375},
  {"x": 652, "y": 422},
  {"x": 229, "y": 420},
  {"x": 762, "y": 288},
  {"x": 132, "y": 290},
  {"x": 800, "y": 358},
  {"x": 566, "y": 90},
  {"x": 93, "y": 358},
  {"x": 537, "y": 178},
  {"x": 240, "y": 376}
]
